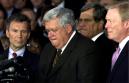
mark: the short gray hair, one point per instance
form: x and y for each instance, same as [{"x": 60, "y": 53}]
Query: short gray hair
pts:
[
  {"x": 65, "y": 16},
  {"x": 123, "y": 8}
]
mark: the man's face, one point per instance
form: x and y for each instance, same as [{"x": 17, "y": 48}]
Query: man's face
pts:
[
  {"x": 87, "y": 25},
  {"x": 56, "y": 2},
  {"x": 7, "y": 4},
  {"x": 114, "y": 25},
  {"x": 18, "y": 34},
  {"x": 57, "y": 35},
  {"x": 37, "y": 3}
]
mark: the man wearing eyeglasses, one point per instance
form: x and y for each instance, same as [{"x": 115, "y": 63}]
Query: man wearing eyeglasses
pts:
[{"x": 79, "y": 58}]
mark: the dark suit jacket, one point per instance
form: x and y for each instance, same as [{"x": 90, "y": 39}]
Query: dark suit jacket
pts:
[
  {"x": 119, "y": 73},
  {"x": 29, "y": 60},
  {"x": 1, "y": 48},
  {"x": 107, "y": 48},
  {"x": 79, "y": 63}
]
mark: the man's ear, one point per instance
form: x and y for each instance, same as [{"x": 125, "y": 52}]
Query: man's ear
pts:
[
  {"x": 126, "y": 24},
  {"x": 7, "y": 33},
  {"x": 69, "y": 28}
]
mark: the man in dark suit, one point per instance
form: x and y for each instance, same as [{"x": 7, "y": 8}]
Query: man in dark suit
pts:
[
  {"x": 79, "y": 58},
  {"x": 118, "y": 30},
  {"x": 91, "y": 24},
  {"x": 18, "y": 31}
]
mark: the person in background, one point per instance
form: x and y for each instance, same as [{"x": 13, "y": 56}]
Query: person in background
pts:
[
  {"x": 20, "y": 4},
  {"x": 2, "y": 21},
  {"x": 57, "y": 3},
  {"x": 91, "y": 24},
  {"x": 18, "y": 31},
  {"x": 118, "y": 30},
  {"x": 37, "y": 41},
  {"x": 78, "y": 61},
  {"x": 2, "y": 27},
  {"x": 8, "y": 5}
]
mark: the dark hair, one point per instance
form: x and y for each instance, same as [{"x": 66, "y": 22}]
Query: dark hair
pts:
[
  {"x": 18, "y": 18},
  {"x": 99, "y": 11},
  {"x": 4, "y": 11}
]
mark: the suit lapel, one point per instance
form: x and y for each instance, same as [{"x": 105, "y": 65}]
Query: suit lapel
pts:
[
  {"x": 65, "y": 55},
  {"x": 5, "y": 55},
  {"x": 50, "y": 58},
  {"x": 123, "y": 55}
]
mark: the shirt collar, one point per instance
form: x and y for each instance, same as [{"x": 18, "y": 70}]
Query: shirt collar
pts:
[
  {"x": 123, "y": 43},
  {"x": 19, "y": 52},
  {"x": 74, "y": 32},
  {"x": 95, "y": 37}
]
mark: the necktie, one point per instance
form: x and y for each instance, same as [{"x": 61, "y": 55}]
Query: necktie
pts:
[
  {"x": 115, "y": 56},
  {"x": 14, "y": 55},
  {"x": 57, "y": 56}
]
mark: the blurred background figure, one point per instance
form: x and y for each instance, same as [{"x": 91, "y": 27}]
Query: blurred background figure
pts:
[
  {"x": 2, "y": 21},
  {"x": 106, "y": 2},
  {"x": 92, "y": 1},
  {"x": 8, "y": 5},
  {"x": 37, "y": 40},
  {"x": 2, "y": 28},
  {"x": 40, "y": 7},
  {"x": 32, "y": 16},
  {"x": 20, "y": 4},
  {"x": 57, "y": 3}
]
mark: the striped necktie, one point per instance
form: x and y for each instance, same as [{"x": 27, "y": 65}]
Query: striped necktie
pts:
[
  {"x": 57, "y": 56},
  {"x": 14, "y": 55}
]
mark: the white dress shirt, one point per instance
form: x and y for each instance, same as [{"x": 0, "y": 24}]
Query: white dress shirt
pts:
[
  {"x": 74, "y": 32},
  {"x": 19, "y": 52},
  {"x": 123, "y": 43}
]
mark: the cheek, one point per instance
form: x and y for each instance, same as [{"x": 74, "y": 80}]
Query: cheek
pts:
[{"x": 10, "y": 36}]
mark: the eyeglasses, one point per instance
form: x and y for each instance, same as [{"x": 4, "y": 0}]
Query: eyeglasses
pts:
[{"x": 46, "y": 32}]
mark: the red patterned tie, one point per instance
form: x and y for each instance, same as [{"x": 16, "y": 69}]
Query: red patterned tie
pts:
[{"x": 14, "y": 55}]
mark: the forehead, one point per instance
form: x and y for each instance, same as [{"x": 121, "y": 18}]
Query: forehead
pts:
[
  {"x": 113, "y": 13},
  {"x": 52, "y": 23},
  {"x": 87, "y": 13},
  {"x": 18, "y": 25}
]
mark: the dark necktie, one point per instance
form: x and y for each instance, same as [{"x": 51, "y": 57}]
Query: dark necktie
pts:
[
  {"x": 14, "y": 55},
  {"x": 57, "y": 56}
]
